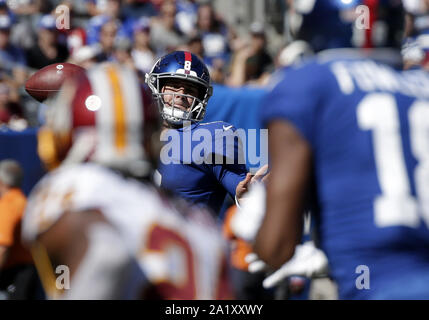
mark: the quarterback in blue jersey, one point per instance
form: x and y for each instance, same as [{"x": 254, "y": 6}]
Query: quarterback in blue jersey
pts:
[
  {"x": 350, "y": 131},
  {"x": 201, "y": 162}
]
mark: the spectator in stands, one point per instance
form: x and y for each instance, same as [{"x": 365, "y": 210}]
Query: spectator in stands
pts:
[
  {"x": 142, "y": 53},
  {"x": 124, "y": 24},
  {"x": 47, "y": 50},
  {"x": 4, "y": 113},
  {"x": 138, "y": 8},
  {"x": 195, "y": 46},
  {"x": 218, "y": 70},
  {"x": 108, "y": 34},
  {"x": 24, "y": 7},
  {"x": 122, "y": 52},
  {"x": 11, "y": 112},
  {"x": 12, "y": 58},
  {"x": 4, "y": 9},
  {"x": 251, "y": 63},
  {"x": 165, "y": 36},
  {"x": 237, "y": 66},
  {"x": 25, "y": 15},
  {"x": 186, "y": 16},
  {"x": 10, "y": 55},
  {"x": 107, "y": 10},
  {"x": 216, "y": 66},
  {"x": 103, "y": 7},
  {"x": 156, "y": 4},
  {"x": 18, "y": 277},
  {"x": 260, "y": 64},
  {"x": 94, "y": 28},
  {"x": 214, "y": 34}
]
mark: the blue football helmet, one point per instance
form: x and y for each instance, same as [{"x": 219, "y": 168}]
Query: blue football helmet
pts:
[
  {"x": 329, "y": 24},
  {"x": 186, "y": 67}
]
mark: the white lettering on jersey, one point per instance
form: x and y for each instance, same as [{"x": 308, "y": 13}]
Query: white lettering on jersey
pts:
[
  {"x": 396, "y": 206},
  {"x": 369, "y": 76}
]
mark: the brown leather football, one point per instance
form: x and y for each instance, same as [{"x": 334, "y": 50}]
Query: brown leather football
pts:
[{"x": 48, "y": 80}]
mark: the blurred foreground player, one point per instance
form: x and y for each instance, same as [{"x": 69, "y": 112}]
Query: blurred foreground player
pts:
[
  {"x": 352, "y": 127},
  {"x": 99, "y": 215}
]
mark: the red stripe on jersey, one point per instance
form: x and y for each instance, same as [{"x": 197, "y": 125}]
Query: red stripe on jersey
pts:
[{"x": 188, "y": 57}]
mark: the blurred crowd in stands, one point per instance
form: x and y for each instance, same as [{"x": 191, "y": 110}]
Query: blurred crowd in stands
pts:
[{"x": 36, "y": 33}]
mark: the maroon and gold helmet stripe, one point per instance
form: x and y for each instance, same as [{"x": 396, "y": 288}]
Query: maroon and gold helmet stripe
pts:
[{"x": 120, "y": 127}]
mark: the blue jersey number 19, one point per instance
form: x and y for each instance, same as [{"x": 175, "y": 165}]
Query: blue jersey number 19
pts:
[{"x": 396, "y": 206}]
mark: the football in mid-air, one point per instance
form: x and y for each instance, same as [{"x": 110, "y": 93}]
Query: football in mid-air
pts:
[{"x": 48, "y": 80}]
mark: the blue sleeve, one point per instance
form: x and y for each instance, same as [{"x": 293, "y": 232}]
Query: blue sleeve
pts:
[
  {"x": 229, "y": 165},
  {"x": 295, "y": 98},
  {"x": 229, "y": 176}
]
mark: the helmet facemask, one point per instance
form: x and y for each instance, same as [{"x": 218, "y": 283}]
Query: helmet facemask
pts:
[
  {"x": 174, "y": 115},
  {"x": 171, "y": 113}
]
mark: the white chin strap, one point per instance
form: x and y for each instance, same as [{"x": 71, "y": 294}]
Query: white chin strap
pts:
[{"x": 174, "y": 115}]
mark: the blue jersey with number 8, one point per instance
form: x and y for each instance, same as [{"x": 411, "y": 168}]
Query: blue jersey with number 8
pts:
[{"x": 368, "y": 128}]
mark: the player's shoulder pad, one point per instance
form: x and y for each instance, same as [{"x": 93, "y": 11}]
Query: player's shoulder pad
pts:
[
  {"x": 313, "y": 72},
  {"x": 71, "y": 188},
  {"x": 331, "y": 55},
  {"x": 87, "y": 175}
]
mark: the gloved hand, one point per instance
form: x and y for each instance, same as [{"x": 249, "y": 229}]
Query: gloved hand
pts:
[
  {"x": 255, "y": 264},
  {"x": 246, "y": 222},
  {"x": 308, "y": 261}
]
